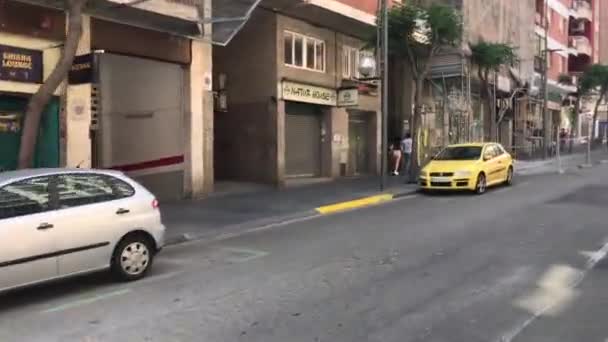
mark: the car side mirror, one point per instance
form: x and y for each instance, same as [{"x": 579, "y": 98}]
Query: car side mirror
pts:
[{"x": 487, "y": 157}]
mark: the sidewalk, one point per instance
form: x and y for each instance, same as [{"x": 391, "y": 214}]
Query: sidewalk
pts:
[
  {"x": 568, "y": 161},
  {"x": 223, "y": 215}
]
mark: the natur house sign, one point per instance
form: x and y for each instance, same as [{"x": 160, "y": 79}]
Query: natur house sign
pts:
[
  {"x": 20, "y": 65},
  {"x": 292, "y": 91}
]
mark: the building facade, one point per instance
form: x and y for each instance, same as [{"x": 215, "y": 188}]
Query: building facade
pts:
[
  {"x": 292, "y": 105},
  {"x": 135, "y": 99},
  {"x": 573, "y": 29}
]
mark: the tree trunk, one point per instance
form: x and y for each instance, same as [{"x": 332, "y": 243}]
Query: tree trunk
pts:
[
  {"x": 597, "y": 105},
  {"x": 415, "y": 129},
  {"x": 39, "y": 100}
]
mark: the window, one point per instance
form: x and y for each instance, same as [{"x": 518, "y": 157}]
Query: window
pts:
[
  {"x": 459, "y": 153},
  {"x": 82, "y": 189},
  {"x": 25, "y": 198},
  {"x": 304, "y": 52},
  {"x": 350, "y": 62},
  {"x": 489, "y": 153},
  {"x": 498, "y": 151}
]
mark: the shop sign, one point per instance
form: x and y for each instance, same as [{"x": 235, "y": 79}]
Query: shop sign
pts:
[
  {"x": 83, "y": 70},
  {"x": 348, "y": 97},
  {"x": 292, "y": 91},
  {"x": 20, "y": 65}
]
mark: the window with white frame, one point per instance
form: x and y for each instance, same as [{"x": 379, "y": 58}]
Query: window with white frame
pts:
[
  {"x": 304, "y": 52},
  {"x": 350, "y": 62}
]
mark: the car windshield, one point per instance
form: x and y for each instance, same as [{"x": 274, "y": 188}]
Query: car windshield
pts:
[{"x": 459, "y": 153}]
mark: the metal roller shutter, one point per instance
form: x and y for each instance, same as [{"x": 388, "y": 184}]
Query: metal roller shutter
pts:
[{"x": 302, "y": 141}]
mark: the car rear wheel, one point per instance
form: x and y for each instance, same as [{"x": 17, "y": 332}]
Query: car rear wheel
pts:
[
  {"x": 481, "y": 185},
  {"x": 509, "y": 179},
  {"x": 132, "y": 258}
]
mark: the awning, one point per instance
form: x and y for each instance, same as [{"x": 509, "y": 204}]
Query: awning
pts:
[{"x": 186, "y": 18}]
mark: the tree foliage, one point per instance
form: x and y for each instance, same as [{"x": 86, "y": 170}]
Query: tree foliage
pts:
[
  {"x": 490, "y": 57},
  {"x": 594, "y": 81},
  {"x": 416, "y": 34}
]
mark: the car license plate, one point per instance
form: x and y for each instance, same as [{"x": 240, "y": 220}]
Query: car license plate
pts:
[{"x": 440, "y": 179}]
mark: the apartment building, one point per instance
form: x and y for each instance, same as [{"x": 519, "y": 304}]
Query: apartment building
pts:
[
  {"x": 138, "y": 98},
  {"x": 572, "y": 29},
  {"x": 290, "y": 103}
]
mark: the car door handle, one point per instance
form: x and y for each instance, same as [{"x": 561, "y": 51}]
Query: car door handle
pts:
[
  {"x": 122, "y": 211},
  {"x": 45, "y": 226}
]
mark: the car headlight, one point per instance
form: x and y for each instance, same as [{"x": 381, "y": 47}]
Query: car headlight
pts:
[{"x": 463, "y": 173}]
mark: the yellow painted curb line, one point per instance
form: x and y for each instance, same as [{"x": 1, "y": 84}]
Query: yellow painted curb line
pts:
[{"x": 358, "y": 203}]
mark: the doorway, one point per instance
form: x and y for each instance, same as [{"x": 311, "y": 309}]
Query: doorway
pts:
[
  {"x": 302, "y": 140},
  {"x": 358, "y": 142}
]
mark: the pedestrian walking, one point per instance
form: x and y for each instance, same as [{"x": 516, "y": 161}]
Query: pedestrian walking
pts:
[
  {"x": 396, "y": 157},
  {"x": 406, "y": 153}
]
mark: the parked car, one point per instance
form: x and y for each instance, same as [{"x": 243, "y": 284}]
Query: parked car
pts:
[
  {"x": 472, "y": 167},
  {"x": 56, "y": 223}
]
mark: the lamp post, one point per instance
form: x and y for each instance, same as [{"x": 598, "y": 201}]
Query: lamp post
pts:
[{"x": 367, "y": 64}]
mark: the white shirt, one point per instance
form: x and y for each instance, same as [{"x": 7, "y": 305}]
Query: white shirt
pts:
[{"x": 406, "y": 145}]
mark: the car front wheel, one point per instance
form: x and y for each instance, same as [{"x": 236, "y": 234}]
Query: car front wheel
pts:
[
  {"x": 481, "y": 184},
  {"x": 132, "y": 258},
  {"x": 509, "y": 179}
]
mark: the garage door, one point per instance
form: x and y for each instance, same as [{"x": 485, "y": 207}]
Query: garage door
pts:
[{"x": 302, "y": 140}]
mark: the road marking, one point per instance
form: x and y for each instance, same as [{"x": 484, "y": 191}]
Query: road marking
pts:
[
  {"x": 86, "y": 301},
  {"x": 243, "y": 254},
  {"x": 573, "y": 281}
]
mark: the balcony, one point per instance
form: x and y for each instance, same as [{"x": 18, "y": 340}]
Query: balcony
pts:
[
  {"x": 581, "y": 9},
  {"x": 581, "y": 44}
]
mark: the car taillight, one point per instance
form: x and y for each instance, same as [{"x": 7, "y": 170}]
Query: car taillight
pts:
[{"x": 155, "y": 204}]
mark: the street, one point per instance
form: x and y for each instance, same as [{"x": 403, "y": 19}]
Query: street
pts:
[{"x": 521, "y": 263}]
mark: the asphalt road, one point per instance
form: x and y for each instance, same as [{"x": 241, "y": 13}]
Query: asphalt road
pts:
[{"x": 524, "y": 263}]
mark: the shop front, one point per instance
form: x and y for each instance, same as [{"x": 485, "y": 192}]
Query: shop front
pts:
[{"x": 21, "y": 72}]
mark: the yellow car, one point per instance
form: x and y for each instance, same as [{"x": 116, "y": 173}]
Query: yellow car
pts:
[{"x": 472, "y": 167}]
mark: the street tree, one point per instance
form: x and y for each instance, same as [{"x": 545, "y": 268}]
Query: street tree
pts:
[
  {"x": 596, "y": 79},
  {"x": 593, "y": 81},
  {"x": 39, "y": 100},
  {"x": 417, "y": 34},
  {"x": 490, "y": 58}
]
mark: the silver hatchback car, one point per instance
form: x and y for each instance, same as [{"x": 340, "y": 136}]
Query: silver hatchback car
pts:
[{"x": 56, "y": 223}]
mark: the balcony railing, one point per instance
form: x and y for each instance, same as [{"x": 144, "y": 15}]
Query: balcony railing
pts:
[
  {"x": 581, "y": 9},
  {"x": 581, "y": 44}
]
